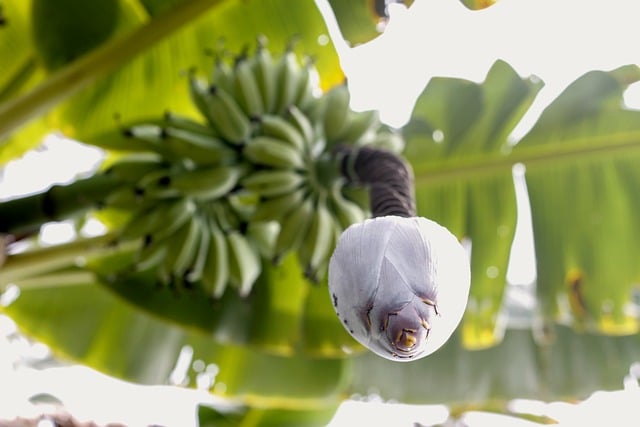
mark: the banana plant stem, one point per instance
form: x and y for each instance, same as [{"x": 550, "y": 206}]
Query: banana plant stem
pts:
[
  {"x": 26, "y": 214},
  {"x": 37, "y": 262},
  {"x": 96, "y": 64},
  {"x": 388, "y": 177}
]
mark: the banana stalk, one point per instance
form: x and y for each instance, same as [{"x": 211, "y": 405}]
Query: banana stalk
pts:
[{"x": 25, "y": 215}]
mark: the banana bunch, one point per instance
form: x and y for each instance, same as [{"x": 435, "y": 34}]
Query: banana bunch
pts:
[{"x": 253, "y": 180}]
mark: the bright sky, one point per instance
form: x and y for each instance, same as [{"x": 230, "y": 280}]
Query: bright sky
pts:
[{"x": 555, "y": 40}]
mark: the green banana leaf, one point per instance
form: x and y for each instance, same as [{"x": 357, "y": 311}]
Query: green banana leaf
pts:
[
  {"x": 588, "y": 272},
  {"x": 85, "y": 322},
  {"x": 285, "y": 314},
  {"x": 455, "y": 122},
  {"x": 139, "y": 71},
  {"x": 569, "y": 366}
]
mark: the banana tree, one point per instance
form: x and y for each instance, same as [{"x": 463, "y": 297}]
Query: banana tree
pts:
[{"x": 143, "y": 80}]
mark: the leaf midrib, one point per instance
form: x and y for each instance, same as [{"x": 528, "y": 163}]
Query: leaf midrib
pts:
[{"x": 534, "y": 157}]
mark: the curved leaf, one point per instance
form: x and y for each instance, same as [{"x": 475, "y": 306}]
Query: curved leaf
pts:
[
  {"x": 88, "y": 68},
  {"x": 357, "y": 19},
  {"x": 570, "y": 366},
  {"x": 455, "y": 122},
  {"x": 584, "y": 201},
  {"x": 86, "y": 323},
  {"x": 20, "y": 73},
  {"x": 284, "y": 314}
]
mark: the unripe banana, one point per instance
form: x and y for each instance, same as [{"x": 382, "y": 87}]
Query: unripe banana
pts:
[
  {"x": 247, "y": 90},
  {"x": 264, "y": 234},
  {"x": 215, "y": 274},
  {"x": 196, "y": 270},
  {"x": 223, "y": 75},
  {"x": 336, "y": 113},
  {"x": 155, "y": 185},
  {"x": 151, "y": 134},
  {"x": 242, "y": 202},
  {"x": 293, "y": 229},
  {"x": 316, "y": 247},
  {"x": 389, "y": 140},
  {"x": 183, "y": 247},
  {"x": 304, "y": 126},
  {"x": 277, "y": 127},
  {"x": 221, "y": 110},
  {"x": 306, "y": 85},
  {"x": 271, "y": 183},
  {"x": 244, "y": 262},
  {"x": 268, "y": 151},
  {"x": 159, "y": 220},
  {"x": 264, "y": 70},
  {"x": 345, "y": 211},
  {"x": 225, "y": 216},
  {"x": 277, "y": 207},
  {"x": 288, "y": 78},
  {"x": 177, "y": 121},
  {"x": 199, "y": 148},
  {"x": 132, "y": 167},
  {"x": 126, "y": 198},
  {"x": 361, "y": 126},
  {"x": 151, "y": 254},
  {"x": 206, "y": 183}
]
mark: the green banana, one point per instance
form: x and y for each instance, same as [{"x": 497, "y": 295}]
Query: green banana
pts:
[
  {"x": 151, "y": 254},
  {"x": 151, "y": 134},
  {"x": 159, "y": 220},
  {"x": 244, "y": 262},
  {"x": 132, "y": 167},
  {"x": 271, "y": 183},
  {"x": 199, "y": 148},
  {"x": 225, "y": 216},
  {"x": 268, "y": 151},
  {"x": 196, "y": 270},
  {"x": 223, "y": 75},
  {"x": 177, "y": 121},
  {"x": 361, "y": 126},
  {"x": 277, "y": 127},
  {"x": 336, "y": 113},
  {"x": 183, "y": 247},
  {"x": 388, "y": 140},
  {"x": 221, "y": 110},
  {"x": 264, "y": 234},
  {"x": 345, "y": 211},
  {"x": 156, "y": 185},
  {"x": 242, "y": 203},
  {"x": 303, "y": 125},
  {"x": 293, "y": 229},
  {"x": 215, "y": 274},
  {"x": 316, "y": 246},
  {"x": 123, "y": 198},
  {"x": 307, "y": 87},
  {"x": 247, "y": 90},
  {"x": 276, "y": 207},
  {"x": 288, "y": 75},
  {"x": 264, "y": 70},
  {"x": 206, "y": 183}
]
